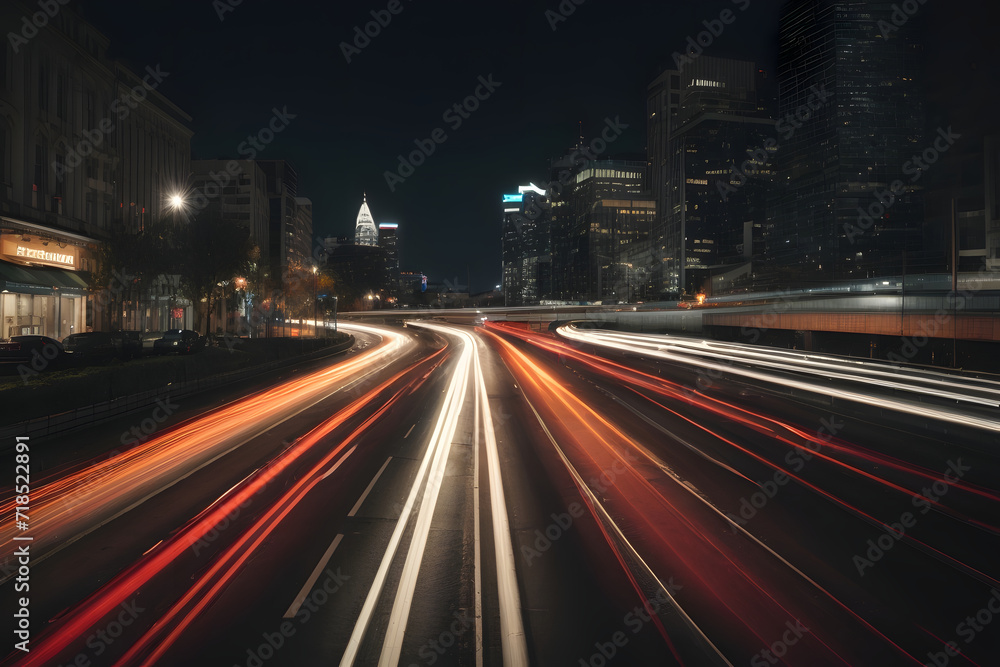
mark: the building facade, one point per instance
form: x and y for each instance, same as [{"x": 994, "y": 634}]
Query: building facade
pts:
[
  {"x": 526, "y": 254},
  {"x": 833, "y": 217},
  {"x": 711, "y": 142},
  {"x": 88, "y": 149},
  {"x": 243, "y": 200},
  {"x": 388, "y": 235},
  {"x": 610, "y": 214}
]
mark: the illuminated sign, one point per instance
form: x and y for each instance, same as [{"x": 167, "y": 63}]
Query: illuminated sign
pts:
[
  {"x": 39, "y": 252},
  {"x": 508, "y": 199},
  {"x": 531, "y": 187},
  {"x": 705, "y": 83},
  {"x": 388, "y": 225}
]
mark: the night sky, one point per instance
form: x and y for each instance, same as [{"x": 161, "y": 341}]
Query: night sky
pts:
[{"x": 353, "y": 119}]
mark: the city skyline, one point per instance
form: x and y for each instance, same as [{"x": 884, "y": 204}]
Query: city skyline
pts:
[
  {"x": 397, "y": 84},
  {"x": 547, "y": 333}
]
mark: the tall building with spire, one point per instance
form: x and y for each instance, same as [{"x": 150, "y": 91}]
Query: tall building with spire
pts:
[{"x": 365, "y": 232}]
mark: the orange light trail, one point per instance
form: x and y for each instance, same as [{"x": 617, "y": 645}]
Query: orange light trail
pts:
[
  {"x": 96, "y": 493},
  {"x": 755, "y": 599},
  {"x": 74, "y": 625}
]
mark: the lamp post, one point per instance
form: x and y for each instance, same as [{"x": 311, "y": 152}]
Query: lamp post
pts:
[{"x": 315, "y": 301}]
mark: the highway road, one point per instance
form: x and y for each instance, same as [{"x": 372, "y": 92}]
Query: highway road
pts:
[{"x": 452, "y": 494}]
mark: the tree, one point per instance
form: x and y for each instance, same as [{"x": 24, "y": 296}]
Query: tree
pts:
[
  {"x": 211, "y": 251},
  {"x": 128, "y": 265}
]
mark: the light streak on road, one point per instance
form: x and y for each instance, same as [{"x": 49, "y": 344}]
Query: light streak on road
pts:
[
  {"x": 665, "y": 349},
  {"x": 681, "y": 535},
  {"x": 75, "y": 624},
  {"x": 430, "y": 476},
  {"x": 791, "y": 436},
  {"x": 72, "y": 505},
  {"x": 787, "y": 433}
]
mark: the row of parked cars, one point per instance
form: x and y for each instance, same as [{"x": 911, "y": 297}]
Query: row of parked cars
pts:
[{"x": 99, "y": 346}]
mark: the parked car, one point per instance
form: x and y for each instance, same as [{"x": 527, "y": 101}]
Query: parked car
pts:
[
  {"x": 128, "y": 343},
  {"x": 149, "y": 339},
  {"x": 28, "y": 350},
  {"x": 90, "y": 346},
  {"x": 183, "y": 341}
]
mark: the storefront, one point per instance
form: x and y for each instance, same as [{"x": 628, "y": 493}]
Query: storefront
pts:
[{"x": 43, "y": 289}]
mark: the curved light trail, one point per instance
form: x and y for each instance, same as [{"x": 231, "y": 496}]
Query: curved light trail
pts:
[{"x": 67, "y": 508}]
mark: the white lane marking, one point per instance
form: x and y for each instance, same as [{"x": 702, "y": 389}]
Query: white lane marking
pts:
[
  {"x": 408, "y": 432},
  {"x": 513, "y": 642},
  {"x": 711, "y": 650},
  {"x": 357, "y": 505},
  {"x": 392, "y": 646},
  {"x": 367, "y": 610},
  {"x": 339, "y": 461},
  {"x": 478, "y": 579},
  {"x": 311, "y": 581}
]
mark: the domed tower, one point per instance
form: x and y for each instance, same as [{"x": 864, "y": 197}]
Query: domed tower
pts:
[{"x": 365, "y": 232}]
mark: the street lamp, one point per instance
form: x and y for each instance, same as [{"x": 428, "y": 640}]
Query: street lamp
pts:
[{"x": 315, "y": 301}]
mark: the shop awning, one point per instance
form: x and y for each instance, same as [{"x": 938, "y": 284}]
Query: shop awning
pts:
[{"x": 37, "y": 280}]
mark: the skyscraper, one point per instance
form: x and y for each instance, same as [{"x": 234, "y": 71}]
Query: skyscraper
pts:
[
  {"x": 527, "y": 256},
  {"x": 851, "y": 96},
  {"x": 708, "y": 131},
  {"x": 388, "y": 236},
  {"x": 365, "y": 232},
  {"x": 663, "y": 98},
  {"x": 610, "y": 211}
]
